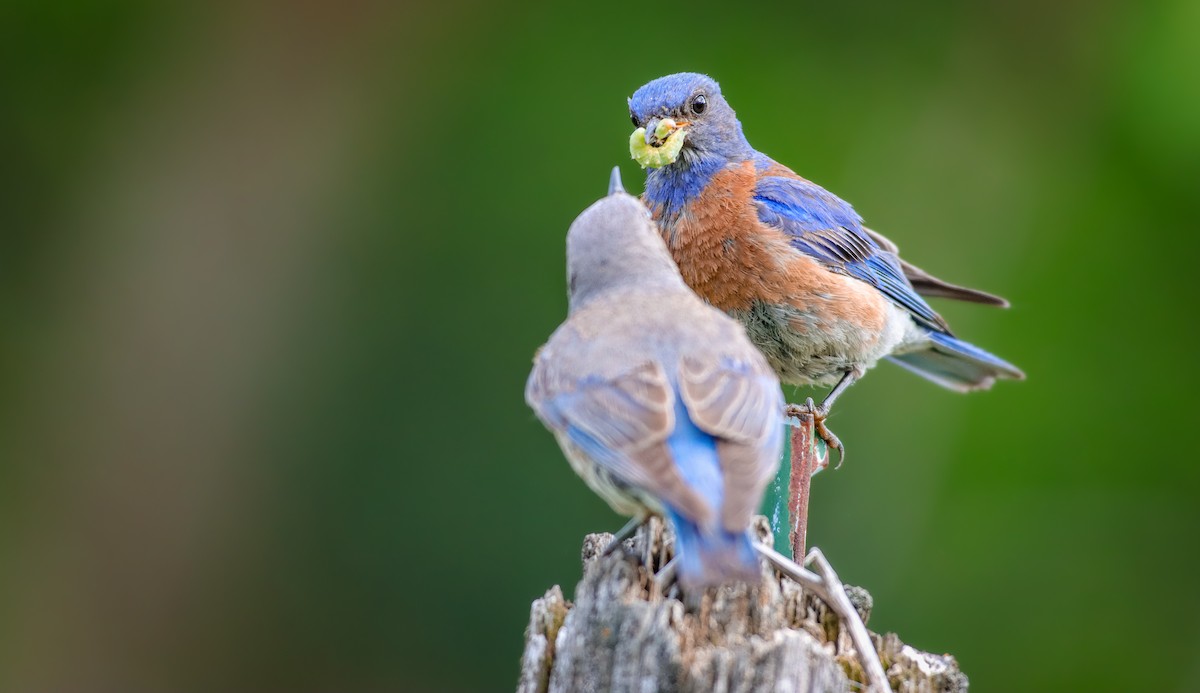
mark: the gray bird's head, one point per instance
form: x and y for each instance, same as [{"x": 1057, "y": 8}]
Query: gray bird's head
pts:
[
  {"x": 682, "y": 117},
  {"x": 614, "y": 245}
]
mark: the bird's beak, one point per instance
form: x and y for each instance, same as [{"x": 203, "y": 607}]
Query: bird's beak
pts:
[
  {"x": 659, "y": 130},
  {"x": 614, "y": 182},
  {"x": 659, "y": 143},
  {"x": 651, "y": 131}
]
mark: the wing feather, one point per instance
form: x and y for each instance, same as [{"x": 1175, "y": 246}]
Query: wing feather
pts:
[
  {"x": 926, "y": 284},
  {"x": 828, "y": 229},
  {"x": 741, "y": 406},
  {"x": 622, "y": 424}
]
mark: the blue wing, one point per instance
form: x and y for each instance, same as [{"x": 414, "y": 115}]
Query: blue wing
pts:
[{"x": 826, "y": 228}]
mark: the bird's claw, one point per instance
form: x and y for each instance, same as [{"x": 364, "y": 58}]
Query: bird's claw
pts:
[
  {"x": 818, "y": 414},
  {"x": 831, "y": 441}
]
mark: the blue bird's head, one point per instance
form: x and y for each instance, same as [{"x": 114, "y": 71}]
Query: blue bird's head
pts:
[{"x": 684, "y": 116}]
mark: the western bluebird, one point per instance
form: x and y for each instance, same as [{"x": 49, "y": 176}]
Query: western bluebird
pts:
[
  {"x": 822, "y": 296},
  {"x": 660, "y": 402}
]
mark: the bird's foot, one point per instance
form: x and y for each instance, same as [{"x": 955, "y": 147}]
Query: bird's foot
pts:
[{"x": 818, "y": 414}]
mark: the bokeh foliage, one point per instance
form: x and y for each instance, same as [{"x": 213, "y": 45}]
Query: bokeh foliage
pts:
[{"x": 271, "y": 276}]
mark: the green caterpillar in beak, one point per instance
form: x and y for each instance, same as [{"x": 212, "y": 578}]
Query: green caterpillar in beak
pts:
[{"x": 669, "y": 141}]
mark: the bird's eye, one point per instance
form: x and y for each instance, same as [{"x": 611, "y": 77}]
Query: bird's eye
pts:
[
  {"x": 699, "y": 103},
  {"x": 633, "y": 118}
]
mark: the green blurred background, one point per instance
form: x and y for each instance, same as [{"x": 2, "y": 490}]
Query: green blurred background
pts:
[{"x": 272, "y": 274}]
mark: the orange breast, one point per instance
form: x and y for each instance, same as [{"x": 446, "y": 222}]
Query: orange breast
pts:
[
  {"x": 720, "y": 248},
  {"x": 732, "y": 260}
]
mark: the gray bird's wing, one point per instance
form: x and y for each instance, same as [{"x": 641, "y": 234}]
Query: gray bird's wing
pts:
[
  {"x": 740, "y": 404},
  {"x": 622, "y": 423}
]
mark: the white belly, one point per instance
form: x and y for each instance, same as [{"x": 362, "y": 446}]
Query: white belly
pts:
[{"x": 824, "y": 350}]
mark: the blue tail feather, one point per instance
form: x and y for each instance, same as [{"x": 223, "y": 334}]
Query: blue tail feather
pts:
[
  {"x": 957, "y": 365},
  {"x": 712, "y": 557},
  {"x": 709, "y": 555}
]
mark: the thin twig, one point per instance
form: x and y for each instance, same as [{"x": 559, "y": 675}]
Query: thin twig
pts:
[
  {"x": 830, "y": 590},
  {"x": 858, "y": 630},
  {"x": 804, "y": 577}
]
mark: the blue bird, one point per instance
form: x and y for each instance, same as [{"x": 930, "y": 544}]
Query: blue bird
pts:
[
  {"x": 660, "y": 402},
  {"x": 820, "y": 294}
]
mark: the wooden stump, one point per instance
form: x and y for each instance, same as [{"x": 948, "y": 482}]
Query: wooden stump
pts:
[{"x": 622, "y": 634}]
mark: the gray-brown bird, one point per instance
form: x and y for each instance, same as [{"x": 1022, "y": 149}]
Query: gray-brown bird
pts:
[{"x": 659, "y": 401}]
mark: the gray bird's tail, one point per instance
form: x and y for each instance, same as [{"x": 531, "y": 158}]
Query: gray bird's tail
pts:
[
  {"x": 957, "y": 365},
  {"x": 715, "y": 557}
]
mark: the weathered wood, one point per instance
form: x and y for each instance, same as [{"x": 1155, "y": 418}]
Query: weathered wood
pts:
[{"x": 622, "y": 634}]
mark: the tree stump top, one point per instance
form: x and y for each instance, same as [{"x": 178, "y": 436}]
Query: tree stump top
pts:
[{"x": 622, "y": 633}]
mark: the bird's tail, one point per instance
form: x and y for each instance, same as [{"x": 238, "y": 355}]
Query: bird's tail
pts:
[
  {"x": 712, "y": 557},
  {"x": 957, "y": 365}
]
